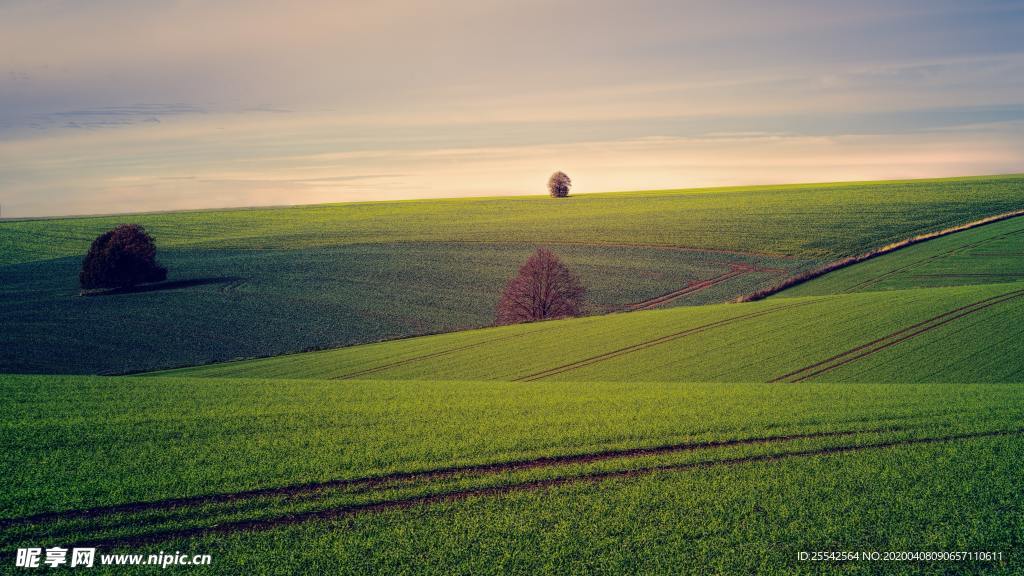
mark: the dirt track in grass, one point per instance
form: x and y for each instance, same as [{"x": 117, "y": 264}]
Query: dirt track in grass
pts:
[
  {"x": 428, "y": 356},
  {"x": 430, "y": 474},
  {"x": 735, "y": 271},
  {"x": 651, "y": 343},
  {"x": 896, "y": 271},
  {"x": 894, "y": 338},
  {"x": 343, "y": 511}
]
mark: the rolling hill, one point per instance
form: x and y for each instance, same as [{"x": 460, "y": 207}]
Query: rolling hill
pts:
[
  {"x": 886, "y": 317},
  {"x": 871, "y": 337},
  {"x": 882, "y": 412},
  {"x": 264, "y": 282},
  {"x": 993, "y": 253}
]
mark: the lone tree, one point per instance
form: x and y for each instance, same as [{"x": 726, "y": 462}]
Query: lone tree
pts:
[
  {"x": 543, "y": 289},
  {"x": 121, "y": 258},
  {"x": 559, "y": 184}
]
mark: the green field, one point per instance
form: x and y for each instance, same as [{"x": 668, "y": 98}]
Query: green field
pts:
[
  {"x": 267, "y": 465},
  {"x": 883, "y": 321},
  {"x": 747, "y": 518},
  {"x": 263, "y": 282},
  {"x": 988, "y": 254},
  {"x": 876, "y": 408},
  {"x": 804, "y": 220},
  {"x": 272, "y": 302},
  {"x": 978, "y": 328}
]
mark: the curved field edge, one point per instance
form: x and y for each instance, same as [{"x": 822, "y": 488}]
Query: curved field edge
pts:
[
  {"x": 985, "y": 254},
  {"x": 250, "y": 304},
  {"x": 834, "y": 266},
  {"x": 259, "y": 283},
  {"x": 759, "y": 341}
]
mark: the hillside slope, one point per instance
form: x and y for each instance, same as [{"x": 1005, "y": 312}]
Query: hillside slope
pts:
[
  {"x": 264, "y": 282},
  {"x": 988, "y": 254},
  {"x": 806, "y": 220},
  {"x": 856, "y": 337}
]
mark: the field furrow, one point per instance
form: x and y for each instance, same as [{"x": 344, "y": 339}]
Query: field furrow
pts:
[
  {"x": 735, "y": 271},
  {"x": 154, "y": 530},
  {"x": 651, "y": 343},
  {"x": 865, "y": 350}
]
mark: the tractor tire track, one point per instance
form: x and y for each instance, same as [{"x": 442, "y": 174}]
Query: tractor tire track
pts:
[
  {"x": 735, "y": 271},
  {"x": 653, "y": 342},
  {"x": 894, "y": 338},
  {"x": 966, "y": 275},
  {"x": 534, "y": 485},
  {"x": 923, "y": 261},
  {"x": 430, "y": 355},
  {"x": 433, "y": 474},
  {"x": 178, "y": 510}
]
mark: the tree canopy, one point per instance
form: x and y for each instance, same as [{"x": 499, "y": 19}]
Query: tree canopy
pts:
[
  {"x": 543, "y": 289},
  {"x": 121, "y": 258}
]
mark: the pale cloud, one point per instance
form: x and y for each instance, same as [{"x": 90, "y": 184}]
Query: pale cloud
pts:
[
  {"x": 114, "y": 105},
  {"x": 382, "y": 174}
]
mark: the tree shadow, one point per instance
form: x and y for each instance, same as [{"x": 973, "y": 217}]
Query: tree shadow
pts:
[{"x": 159, "y": 286}]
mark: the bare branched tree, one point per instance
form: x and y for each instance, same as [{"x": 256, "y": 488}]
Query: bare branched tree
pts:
[
  {"x": 543, "y": 289},
  {"x": 559, "y": 184}
]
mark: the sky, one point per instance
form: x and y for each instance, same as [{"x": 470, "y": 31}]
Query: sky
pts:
[{"x": 141, "y": 105}]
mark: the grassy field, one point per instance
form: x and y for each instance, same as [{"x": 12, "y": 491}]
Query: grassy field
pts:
[
  {"x": 884, "y": 409},
  {"x": 760, "y": 341},
  {"x": 232, "y": 467},
  {"x": 958, "y": 293},
  {"x": 262, "y": 282},
  {"x": 810, "y": 220},
  {"x": 989, "y": 254},
  {"x": 262, "y": 303},
  {"x": 745, "y": 518}
]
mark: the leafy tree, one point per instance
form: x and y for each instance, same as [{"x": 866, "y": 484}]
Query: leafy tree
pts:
[
  {"x": 559, "y": 184},
  {"x": 543, "y": 289},
  {"x": 121, "y": 258}
]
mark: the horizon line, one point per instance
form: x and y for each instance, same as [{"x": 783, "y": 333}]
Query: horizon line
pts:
[{"x": 4, "y": 220}]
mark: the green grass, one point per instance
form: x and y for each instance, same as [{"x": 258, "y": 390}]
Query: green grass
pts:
[
  {"x": 288, "y": 279},
  {"x": 262, "y": 303},
  {"x": 151, "y": 438},
  {"x": 747, "y": 519},
  {"x": 811, "y": 221},
  {"x": 848, "y": 308},
  {"x": 634, "y": 453},
  {"x": 143, "y": 440},
  {"x": 752, "y": 342},
  {"x": 984, "y": 255}
]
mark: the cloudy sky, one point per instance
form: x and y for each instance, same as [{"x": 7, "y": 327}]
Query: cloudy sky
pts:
[{"x": 133, "y": 105}]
